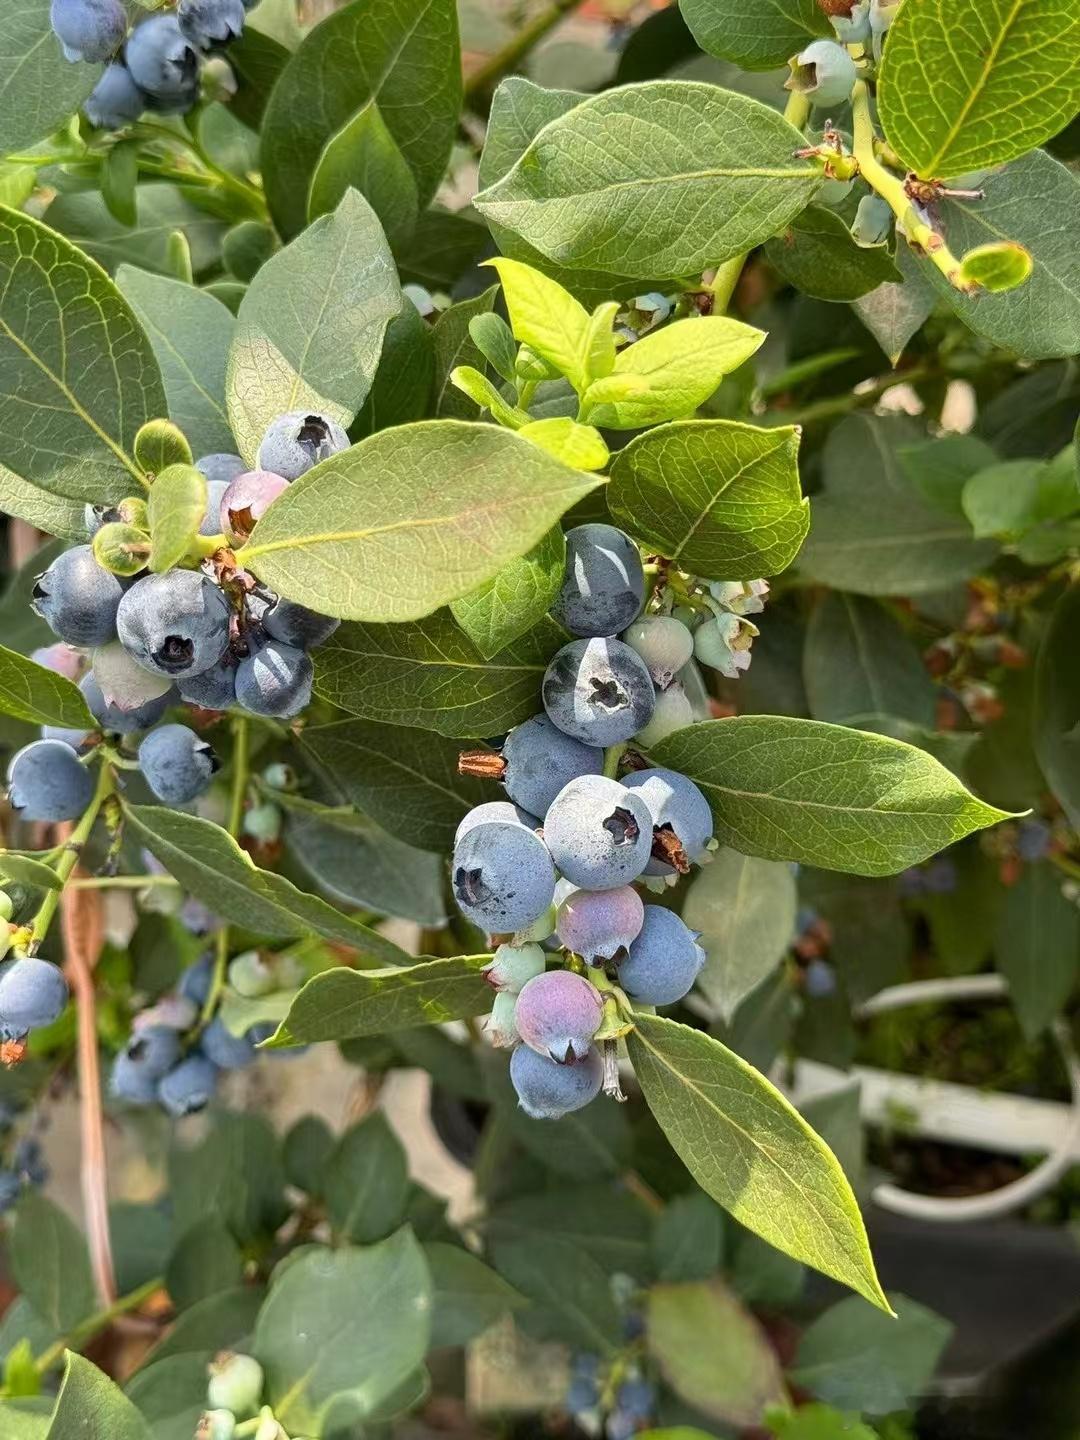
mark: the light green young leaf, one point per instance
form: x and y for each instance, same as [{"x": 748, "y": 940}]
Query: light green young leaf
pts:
[
  {"x": 90, "y": 1407},
  {"x": 997, "y": 267},
  {"x": 506, "y": 607},
  {"x": 30, "y": 692},
  {"x": 661, "y": 179},
  {"x": 176, "y": 506},
  {"x": 754, "y": 34},
  {"x": 1004, "y": 75},
  {"x": 363, "y": 155},
  {"x": 599, "y": 347},
  {"x": 495, "y": 341},
  {"x": 26, "y": 870},
  {"x": 683, "y": 364},
  {"x": 480, "y": 389},
  {"x": 752, "y": 1151},
  {"x": 580, "y": 446},
  {"x": 547, "y": 317},
  {"x": 410, "y": 519},
  {"x": 823, "y": 795},
  {"x": 160, "y": 444}
]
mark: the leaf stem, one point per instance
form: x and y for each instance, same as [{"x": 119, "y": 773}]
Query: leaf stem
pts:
[
  {"x": 240, "y": 762},
  {"x": 69, "y": 857},
  {"x": 480, "y": 84},
  {"x": 122, "y": 882},
  {"x": 836, "y": 405},
  {"x": 88, "y": 1328}
]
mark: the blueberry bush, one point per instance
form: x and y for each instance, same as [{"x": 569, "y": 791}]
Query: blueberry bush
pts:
[{"x": 402, "y": 474}]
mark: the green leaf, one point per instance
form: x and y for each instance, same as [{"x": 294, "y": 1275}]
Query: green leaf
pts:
[
  {"x": 816, "y": 1422},
  {"x": 580, "y": 446},
  {"x": 570, "y": 1294},
  {"x": 611, "y": 1225},
  {"x": 754, "y": 34},
  {"x": 170, "y": 1394},
  {"x": 79, "y": 375},
  {"x": 256, "y": 60},
  {"x": 469, "y": 1296},
  {"x": 51, "y": 1264},
  {"x": 365, "y": 1183},
  {"x": 233, "y": 1171},
  {"x": 505, "y": 608},
  {"x": 1004, "y": 75},
  {"x": 27, "y": 871},
  {"x": 367, "y": 866},
  {"x": 177, "y": 506},
  {"x": 1056, "y": 722},
  {"x": 118, "y": 178},
  {"x": 1038, "y": 946},
  {"x": 30, "y": 692},
  {"x": 402, "y": 385},
  {"x": 495, "y": 340},
  {"x": 997, "y": 267},
  {"x": 121, "y": 549},
  {"x": 546, "y": 317},
  {"x": 453, "y": 348},
  {"x": 316, "y": 1343},
  {"x": 688, "y": 1239},
  {"x": 1002, "y": 499},
  {"x": 720, "y": 498},
  {"x": 861, "y": 1360},
  {"x": 894, "y": 313},
  {"x": 190, "y": 333},
  {"x": 347, "y": 1004},
  {"x": 752, "y": 1151},
  {"x": 745, "y": 909},
  {"x": 209, "y": 863},
  {"x": 682, "y": 364},
  {"x": 664, "y": 178},
  {"x": 940, "y": 468},
  {"x": 164, "y": 212},
  {"x": 207, "y": 1260},
  {"x": 218, "y": 1323},
  {"x": 160, "y": 444},
  {"x": 817, "y": 255},
  {"x": 55, "y": 514},
  {"x": 871, "y": 531},
  {"x": 363, "y": 155},
  {"x": 404, "y": 58},
  {"x": 483, "y": 393},
  {"x": 410, "y": 519},
  {"x": 860, "y": 663},
  {"x": 90, "y": 1407},
  {"x": 824, "y": 795},
  {"x": 688, "y": 1326},
  {"x": 39, "y": 89},
  {"x": 428, "y": 675},
  {"x": 310, "y": 328}
]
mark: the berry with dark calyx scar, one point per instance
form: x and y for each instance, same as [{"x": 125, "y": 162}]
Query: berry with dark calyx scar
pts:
[
  {"x": 664, "y": 961},
  {"x": 598, "y": 691},
  {"x": 495, "y": 812},
  {"x": 274, "y": 680},
  {"x": 33, "y": 994},
  {"x": 227, "y": 1051},
  {"x": 78, "y": 599},
  {"x": 664, "y": 643},
  {"x": 604, "y": 584},
  {"x": 501, "y": 1027},
  {"x": 296, "y": 625},
  {"x": 207, "y": 23},
  {"x": 189, "y": 1088},
  {"x": 246, "y": 500},
  {"x": 162, "y": 60},
  {"x": 673, "y": 711},
  {"x": 540, "y": 759},
  {"x": 681, "y": 819},
  {"x": 88, "y": 29},
  {"x": 46, "y": 781},
  {"x": 148, "y": 1056},
  {"x": 547, "y": 1091},
  {"x": 296, "y": 442},
  {"x": 221, "y": 466},
  {"x": 824, "y": 72},
  {"x": 115, "y": 100},
  {"x": 175, "y": 624},
  {"x": 178, "y": 764},
  {"x": 599, "y": 833},
  {"x": 558, "y": 1013},
  {"x": 513, "y": 966},
  {"x": 236, "y": 1383},
  {"x": 503, "y": 877},
  {"x": 600, "y": 925},
  {"x": 123, "y": 722}
]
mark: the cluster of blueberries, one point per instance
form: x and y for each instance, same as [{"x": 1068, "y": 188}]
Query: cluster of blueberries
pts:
[
  {"x": 26, "y": 1166},
  {"x": 557, "y": 862},
  {"x": 234, "y": 1395},
  {"x": 157, "y": 66},
  {"x": 634, "y": 1399}
]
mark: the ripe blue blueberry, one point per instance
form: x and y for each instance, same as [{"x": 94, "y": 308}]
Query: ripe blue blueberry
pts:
[
  {"x": 47, "y": 782},
  {"x": 213, "y": 689},
  {"x": 162, "y": 60},
  {"x": 541, "y": 759},
  {"x": 598, "y": 691},
  {"x": 227, "y": 1051},
  {"x": 10, "y": 1190},
  {"x": 1034, "y": 839},
  {"x": 664, "y": 961},
  {"x": 824, "y": 72},
  {"x": 681, "y": 819},
  {"x": 207, "y": 23},
  {"x": 547, "y": 1091},
  {"x": 177, "y": 763},
  {"x": 33, "y": 994},
  {"x": 664, "y": 643},
  {"x": 604, "y": 584},
  {"x": 215, "y": 493},
  {"x": 503, "y": 876},
  {"x": 819, "y": 979},
  {"x": 246, "y": 500},
  {"x": 513, "y": 966},
  {"x": 673, "y": 711},
  {"x": 295, "y": 442},
  {"x": 148, "y": 1056},
  {"x": 115, "y": 100},
  {"x": 123, "y": 722},
  {"x": 600, "y": 925},
  {"x": 274, "y": 679},
  {"x": 495, "y": 812},
  {"x": 221, "y": 466},
  {"x": 188, "y": 1088},
  {"x": 236, "y": 1383},
  {"x": 195, "y": 982},
  {"x": 636, "y": 1397},
  {"x": 557, "y": 1015},
  {"x": 78, "y": 599},
  {"x": 296, "y": 625},
  {"x": 88, "y": 29},
  {"x": 599, "y": 833},
  {"x": 175, "y": 624}
]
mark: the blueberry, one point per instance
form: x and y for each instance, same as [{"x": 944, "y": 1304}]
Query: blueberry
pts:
[
  {"x": 873, "y": 221},
  {"x": 547, "y": 1091},
  {"x": 123, "y": 722},
  {"x": 29, "y": 1161},
  {"x": 61, "y": 659},
  {"x": 251, "y": 976},
  {"x": 673, "y": 711},
  {"x": 221, "y": 467},
  {"x": 115, "y": 100},
  {"x": 636, "y": 1397},
  {"x": 236, "y": 1383},
  {"x": 207, "y": 23},
  {"x": 123, "y": 683},
  {"x": 148, "y": 1056},
  {"x": 501, "y": 1027},
  {"x": 557, "y": 1015},
  {"x": 246, "y": 500},
  {"x": 162, "y": 60},
  {"x": 227, "y": 1051},
  {"x": 177, "y": 764},
  {"x": 215, "y": 494},
  {"x": 495, "y": 812},
  {"x": 599, "y": 925},
  {"x": 188, "y": 1088},
  {"x": 214, "y": 689},
  {"x": 297, "y": 625},
  {"x": 599, "y": 833},
  {"x": 88, "y": 29},
  {"x": 176, "y": 624},
  {"x": 664, "y": 961},
  {"x": 620, "y": 1426},
  {"x": 503, "y": 876},
  {"x": 263, "y": 823},
  {"x": 664, "y": 643},
  {"x": 76, "y": 739},
  {"x": 10, "y": 1190},
  {"x": 274, "y": 679},
  {"x": 216, "y": 1425},
  {"x": 582, "y": 1395},
  {"x": 33, "y": 994},
  {"x": 598, "y": 691},
  {"x": 819, "y": 979},
  {"x": 939, "y": 877},
  {"x": 513, "y": 966},
  {"x": 604, "y": 584},
  {"x": 1034, "y": 839},
  {"x": 853, "y": 28},
  {"x": 78, "y": 599},
  {"x": 681, "y": 819},
  {"x": 195, "y": 982},
  {"x": 47, "y": 782},
  {"x": 540, "y": 760},
  {"x": 171, "y": 1012},
  {"x": 824, "y": 72},
  {"x": 297, "y": 441}
]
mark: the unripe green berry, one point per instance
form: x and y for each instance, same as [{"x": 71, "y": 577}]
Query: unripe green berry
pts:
[
  {"x": 236, "y": 1383},
  {"x": 216, "y": 1425},
  {"x": 280, "y": 777},
  {"x": 539, "y": 930},
  {"x": 251, "y": 976},
  {"x": 501, "y": 1026},
  {"x": 513, "y": 966},
  {"x": 671, "y": 712},
  {"x": 824, "y": 72},
  {"x": 263, "y": 823}
]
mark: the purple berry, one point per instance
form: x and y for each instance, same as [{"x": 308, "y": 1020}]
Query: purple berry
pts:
[
  {"x": 599, "y": 833},
  {"x": 547, "y": 1091},
  {"x": 598, "y": 691},
  {"x": 540, "y": 760},
  {"x": 557, "y": 1015},
  {"x": 246, "y": 500},
  {"x": 600, "y": 924},
  {"x": 664, "y": 961}
]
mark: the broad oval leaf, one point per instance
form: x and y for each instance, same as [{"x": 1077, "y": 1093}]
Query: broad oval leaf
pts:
[
  {"x": 79, "y": 376},
  {"x": 364, "y": 155},
  {"x": 409, "y": 519},
  {"x": 364, "y": 865},
  {"x": 469, "y": 1295},
  {"x": 27, "y": 870},
  {"x": 365, "y": 1182},
  {"x": 754, "y": 34},
  {"x": 663, "y": 178},
  {"x": 822, "y": 794},
  {"x": 176, "y": 509},
  {"x": 570, "y": 1294},
  {"x": 506, "y": 607},
  {"x": 29, "y": 691},
  {"x": 51, "y": 1264},
  {"x": 310, "y": 327},
  {"x": 1038, "y": 946},
  {"x": 1056, "y": 724},
  {"x": 817, "y": 255},
  {"x": 90, "y": 1407},
  {"x": 720, "y": 498},
  {"x": 349, "y": 1004},
  {"x": 970, "y": 83},
  {"x": 55, "y": 514},
  {"x": 752, "y": 1151},
  {"x": 39, "y": 89},
  {"x": 859, "y": 664}
]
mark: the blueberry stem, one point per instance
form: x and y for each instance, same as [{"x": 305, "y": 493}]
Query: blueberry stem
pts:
[
  {"x": 612, "y": 755},
  {"x": 122, "y": 882},
  {"x": 94, "y": 1324},
  {"x": 240, "y": 759},
  {"x": 69, "y": 856}
]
